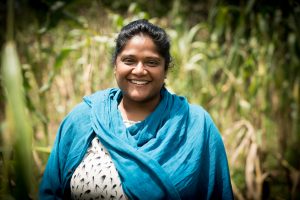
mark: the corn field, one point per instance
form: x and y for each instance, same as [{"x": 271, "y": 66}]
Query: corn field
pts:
[{"x": 238, "y": 60}]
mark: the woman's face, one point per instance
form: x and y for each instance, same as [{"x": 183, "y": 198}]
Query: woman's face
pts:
[{"x": 140, "y": 70}]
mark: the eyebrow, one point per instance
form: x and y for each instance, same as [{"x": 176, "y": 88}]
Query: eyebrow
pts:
[
  {"x": 133, "y": 56},
  {"x": 127, "y": 55}
]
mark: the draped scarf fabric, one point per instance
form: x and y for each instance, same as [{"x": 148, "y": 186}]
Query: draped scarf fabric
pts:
[
  {"x": 148, "y": 153},
  {"x": 175, "y": 153}
]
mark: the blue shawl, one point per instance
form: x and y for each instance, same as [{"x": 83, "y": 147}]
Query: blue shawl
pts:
[{"x": 175, "y": 153}]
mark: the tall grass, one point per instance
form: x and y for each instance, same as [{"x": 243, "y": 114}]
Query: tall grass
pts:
[{"x": 17, "y": 180}]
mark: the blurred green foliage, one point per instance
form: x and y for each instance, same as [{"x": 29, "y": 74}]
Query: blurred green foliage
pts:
[{"x": 238, "y": 59}]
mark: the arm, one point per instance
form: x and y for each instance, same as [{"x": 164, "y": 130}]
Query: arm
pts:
[
  {"x": 71, "y": 140},
  {"x": 51, "y": 185},
  {"x": 220, "y": 171}
]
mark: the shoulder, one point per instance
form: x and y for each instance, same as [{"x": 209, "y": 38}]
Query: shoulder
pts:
[
  {"x": 74, "y": 124},
  {"x": 78, "y": 120},
  {"x": 82, "y": 110},
  {"x": 78, "y": 112},
  {"x": 99, "y": 96},
  {"x": 201, "y": 116},
  {"x": 198, "y": 112}
]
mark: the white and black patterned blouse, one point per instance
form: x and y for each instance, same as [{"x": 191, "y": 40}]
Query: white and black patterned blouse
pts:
[{"x": 96, "y": 176}]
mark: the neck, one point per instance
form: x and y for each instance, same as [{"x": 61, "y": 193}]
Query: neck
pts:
[{"x": 137, "y": 111}]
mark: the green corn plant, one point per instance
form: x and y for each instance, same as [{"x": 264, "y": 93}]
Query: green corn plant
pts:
[
  {"x": 18, "y": 129},
  {"x": 17, "y": 181}
]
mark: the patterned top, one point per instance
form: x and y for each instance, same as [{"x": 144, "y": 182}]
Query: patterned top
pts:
[
  {"x": 129, "y": 122},
  {"x": 96, "y": 176}
]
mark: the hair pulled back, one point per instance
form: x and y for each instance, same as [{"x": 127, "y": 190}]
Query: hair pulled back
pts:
[{"x": 142, "y": 26}]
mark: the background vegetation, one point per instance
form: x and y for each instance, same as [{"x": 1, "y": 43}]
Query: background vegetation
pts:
[{"x": 238, "y": 59}]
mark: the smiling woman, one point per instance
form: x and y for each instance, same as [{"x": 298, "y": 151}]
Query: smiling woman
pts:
[
  {"x": 138, "y": 141},
  {"x": 140, "y": 74}
]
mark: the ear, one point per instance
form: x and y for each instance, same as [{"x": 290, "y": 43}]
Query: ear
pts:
[{"x": 115, "y": 68}]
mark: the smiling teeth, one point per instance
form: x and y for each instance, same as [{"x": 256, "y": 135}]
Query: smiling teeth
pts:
[{"x": 139, "y": 82}]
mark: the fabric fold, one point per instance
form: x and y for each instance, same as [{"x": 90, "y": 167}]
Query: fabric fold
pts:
[
  {"x": 127, "y": 152},
  {"x": 175, "y": 153},
  {"x": 169, "y": 155}
]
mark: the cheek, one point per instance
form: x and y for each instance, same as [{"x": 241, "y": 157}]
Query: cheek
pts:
[
  {"x": 161, "y": 74},
  {"x": 120, "y": 74}
]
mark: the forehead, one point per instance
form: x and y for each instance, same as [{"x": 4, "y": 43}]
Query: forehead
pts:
[{"x": 140, "y": 44}]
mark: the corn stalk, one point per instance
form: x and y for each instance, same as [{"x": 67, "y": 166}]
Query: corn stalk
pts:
[{"x": 17, "y": 155}]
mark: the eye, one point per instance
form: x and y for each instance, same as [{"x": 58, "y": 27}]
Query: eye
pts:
[
  {"x": 152, "y": 63},
  {"x": 128, "y": 61}
]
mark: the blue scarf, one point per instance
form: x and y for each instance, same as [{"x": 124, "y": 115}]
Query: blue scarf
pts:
[{"x": 165, "y": 156}]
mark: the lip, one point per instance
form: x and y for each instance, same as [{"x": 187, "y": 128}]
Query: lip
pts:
[{"x": 138, "y": 82}]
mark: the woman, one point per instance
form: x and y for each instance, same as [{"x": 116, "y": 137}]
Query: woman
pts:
[{"x": 138, "y": 141}]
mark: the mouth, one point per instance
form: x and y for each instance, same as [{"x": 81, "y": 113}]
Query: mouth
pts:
[{"x": 139, "y": 82}]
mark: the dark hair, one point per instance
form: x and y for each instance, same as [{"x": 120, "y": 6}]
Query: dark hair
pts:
[{"x": 142, "y": 26}]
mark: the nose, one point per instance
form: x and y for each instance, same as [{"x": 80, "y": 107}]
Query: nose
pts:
[{"x": 139, "y": 69}]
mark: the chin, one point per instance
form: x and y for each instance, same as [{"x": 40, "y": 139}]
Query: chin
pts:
[{"x": 139, "y": 98}]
